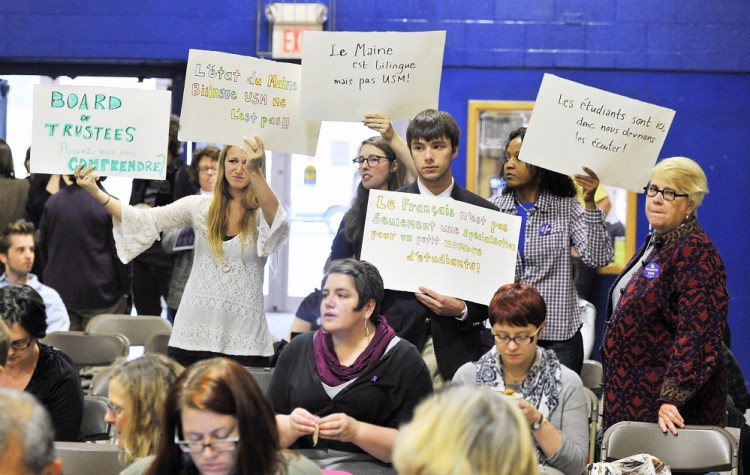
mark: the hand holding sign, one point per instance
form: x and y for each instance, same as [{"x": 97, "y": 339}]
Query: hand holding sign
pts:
[
  {"x": 255, "y": 151},
  {"x": 589, "y": 183}
]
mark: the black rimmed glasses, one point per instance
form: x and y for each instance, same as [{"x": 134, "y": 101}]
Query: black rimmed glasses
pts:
[
  {"x": 198, "y": 446},
  {"x": 21, "y": 345},
  {"x": 518, "y": 340},
  {"x": 372, "y": 161},
  {"x": 668, "y": 193}
]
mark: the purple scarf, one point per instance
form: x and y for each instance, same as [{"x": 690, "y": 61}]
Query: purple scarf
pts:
[{"x": 332, "y": 372}]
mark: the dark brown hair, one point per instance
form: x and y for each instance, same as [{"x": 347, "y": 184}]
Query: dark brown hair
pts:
[{"x": 517, "y": 305}]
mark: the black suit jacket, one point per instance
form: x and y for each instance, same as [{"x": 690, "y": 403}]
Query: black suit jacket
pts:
[{"x": 456, "y": 342}]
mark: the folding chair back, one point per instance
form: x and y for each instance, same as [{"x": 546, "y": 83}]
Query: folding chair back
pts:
[
  {"x": 591, "y": 376},
  {"x": 157, "y": 343},
  {"x": 137, "y": 329},
  {"x": 83, "y": 458},
  {"x": 89, "y": 350},
  {"x": 262, "y": 376},
  {"x": 695, "y": 449},
  {"x": 93, "y": 426},
  {"x": 593, "y": 422}
]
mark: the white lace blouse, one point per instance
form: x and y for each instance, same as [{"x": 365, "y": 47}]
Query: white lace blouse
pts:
[{"x": 222, "y": 306}]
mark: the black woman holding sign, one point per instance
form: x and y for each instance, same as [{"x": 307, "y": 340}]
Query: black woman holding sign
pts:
[
  {"x": 553, "y": 221},
  {"x": 236, "y": 229}
]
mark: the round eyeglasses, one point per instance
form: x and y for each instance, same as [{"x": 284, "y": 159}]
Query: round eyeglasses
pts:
[
  {"x": 518, "y": 340},
  {"x": 198, "y": 446},
  {"x": 208, "y": 169},
  {"x": 372, "y": 161},
  {"x": 668, "y": 193}
]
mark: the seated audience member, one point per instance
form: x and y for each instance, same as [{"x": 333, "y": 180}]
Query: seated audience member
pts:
[
  {"x": 550, "y": 396},
  {"x": 344, "y": 389},
  {"x": 203, "y": 170},
  {"x": 26, "y": 436},
  {"x": 36, "y": 368},
  {"x": 17, "y": 255},
  {"x": 137, "y": 393},
  {"x": 216, "y": 404},
  {"x": 464, "y": 430},
  {"x": 101, "y": 283}
]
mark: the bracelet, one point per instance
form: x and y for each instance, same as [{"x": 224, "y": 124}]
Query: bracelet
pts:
[{"x": 109, "y": 197}]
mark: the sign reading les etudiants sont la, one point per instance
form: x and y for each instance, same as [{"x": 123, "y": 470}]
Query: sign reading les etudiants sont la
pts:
[
  {"x": 228, "y": 97},
  {"x": 449, "y": 246},
  {"x": 118, "y": 131},
  {"x": 349, "y": 74},
  {"x": 574, "y": 125}
]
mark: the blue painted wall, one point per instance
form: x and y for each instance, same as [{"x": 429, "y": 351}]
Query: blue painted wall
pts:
[{"x": 688, "y": 55}]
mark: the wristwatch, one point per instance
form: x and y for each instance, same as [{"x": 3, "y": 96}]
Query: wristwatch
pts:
[{"x": 538, "y": 424}]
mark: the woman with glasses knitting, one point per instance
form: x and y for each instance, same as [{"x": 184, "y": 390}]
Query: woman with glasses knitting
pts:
[
  {"x": 137, "y": 393},
  {"x": 667, "y": 313},
  {"x": 550, "y": 396},
  {"x": 342, "y": 392},
  {"x": 47, "y": 373},
  {"x": 217, "y": 421}
]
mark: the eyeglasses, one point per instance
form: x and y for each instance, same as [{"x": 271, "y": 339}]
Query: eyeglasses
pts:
[
  {"x": 21, "y": 344},
  {"x": 208, "y": 169},
  {"x": 198, "y": 446},
  {"x": 373, "y": 161},
  {"x": 116, "y": 409},
  {"x": 668, "y": 193},
  {"x": 518, "y": 340}
]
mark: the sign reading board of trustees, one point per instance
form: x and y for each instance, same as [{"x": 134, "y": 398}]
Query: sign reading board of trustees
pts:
[
  {"x": 449, "y": 246},
  {"x": 118, "y": 131},
  {"x": 228, "y": 97},
  {"x": 349, "y": 74},
  {"x": 573, "y": 125}
]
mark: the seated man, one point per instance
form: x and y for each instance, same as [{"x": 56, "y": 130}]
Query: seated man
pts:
[
  {"x": 17, "y": 254},
  {"x": 26, "y": 436}
]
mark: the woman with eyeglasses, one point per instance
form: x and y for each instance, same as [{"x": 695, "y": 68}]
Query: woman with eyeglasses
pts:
[
  {"x": 553, "y": 221},
  {"x": 137, "y": 394},
  {"x": 667, "y": 313},
  {"x": 47, "y": 373},
  {"x": 218, "y": 421},
  {"x": 550, "y": 395}
]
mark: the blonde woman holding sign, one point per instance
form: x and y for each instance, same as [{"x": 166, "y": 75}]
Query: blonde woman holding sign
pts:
[{"x": 236, "y": 229}]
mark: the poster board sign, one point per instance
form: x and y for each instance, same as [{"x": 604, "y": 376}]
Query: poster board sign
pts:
[
  {"x": 574, "y": 125},
  {"x": 449, "y": 246},
  {"x": 349, "y": 74},
  {"x": 119, "y": 131},
  {"x": 228, "y": 97}
]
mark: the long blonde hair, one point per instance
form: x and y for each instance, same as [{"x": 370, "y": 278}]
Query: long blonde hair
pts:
[
  {"x": 463, "y": 429},
  {"x": 146, "y": 381},
  {"x": 217, "y": 211}
]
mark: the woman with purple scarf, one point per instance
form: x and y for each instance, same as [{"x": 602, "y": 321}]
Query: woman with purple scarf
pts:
[{"x": 341, "y": 392}]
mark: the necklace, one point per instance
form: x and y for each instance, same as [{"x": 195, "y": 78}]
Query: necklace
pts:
[{"x": 527, "y": 210}]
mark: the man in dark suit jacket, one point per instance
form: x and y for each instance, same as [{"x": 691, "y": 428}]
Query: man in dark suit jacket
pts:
[{"x": 446, "y": 330}]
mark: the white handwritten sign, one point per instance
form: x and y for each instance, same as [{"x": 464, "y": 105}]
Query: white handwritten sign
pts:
[
  {"x": 573, "y": 125},
  {"x": 228, "y": 96},
  {"x": 449, "y": 246},
  {"x": 118, "y": 131},
  {"x": 349, "y": 74}
]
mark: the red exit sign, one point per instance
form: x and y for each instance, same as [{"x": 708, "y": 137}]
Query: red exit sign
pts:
[{"x": 287, "y": 41}]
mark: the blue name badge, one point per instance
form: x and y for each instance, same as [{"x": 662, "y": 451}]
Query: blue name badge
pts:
[
  {"x": 545, "y": 229},
  {"x": 651, "y": 271}
]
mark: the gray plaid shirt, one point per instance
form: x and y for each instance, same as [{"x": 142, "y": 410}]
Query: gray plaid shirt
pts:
[{"x": 553, "y": 226}]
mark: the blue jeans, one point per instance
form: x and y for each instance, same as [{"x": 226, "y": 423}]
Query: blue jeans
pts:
[{"x": 569, "y": 352}]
